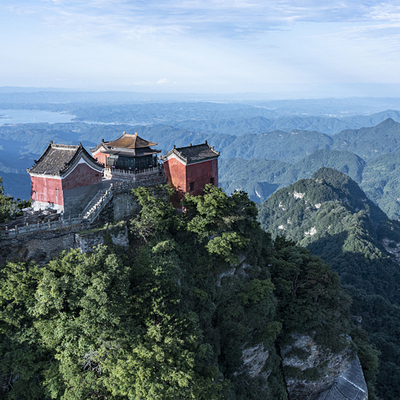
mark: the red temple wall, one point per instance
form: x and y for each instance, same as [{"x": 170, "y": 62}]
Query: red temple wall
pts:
[
  {"x": 175, "y": 173},
  {"x": 180, "y": 176},
  {"x": 201, "y": 174},
  {"x": 48, "y": 190},
  {"x": 82, "y": 175}
]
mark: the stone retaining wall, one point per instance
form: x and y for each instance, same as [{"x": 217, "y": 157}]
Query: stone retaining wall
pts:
[
  {"x": 43, "y": 246},
  {"x": 117, "y": 235}
]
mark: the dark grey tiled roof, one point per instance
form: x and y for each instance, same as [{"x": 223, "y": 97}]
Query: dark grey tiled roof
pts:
[
  {"x": 192, "y": 154},
  {"x": 57, "y": 159},
  {"x": 350, "y": 385}
]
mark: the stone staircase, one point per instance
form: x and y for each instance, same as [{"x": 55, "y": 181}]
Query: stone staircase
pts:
[
  {"x": 102, "y": 198},
  {"x": 94, "y": 204}
]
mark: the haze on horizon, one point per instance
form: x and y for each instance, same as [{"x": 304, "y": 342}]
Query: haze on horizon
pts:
[{"x": 285, "y": 49}]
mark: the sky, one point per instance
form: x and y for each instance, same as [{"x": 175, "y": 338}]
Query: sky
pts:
[{"x": 284, "y": 49}]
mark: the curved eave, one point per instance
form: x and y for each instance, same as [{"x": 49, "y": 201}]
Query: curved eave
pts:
[
  {"x": 67, "y": 168},
  {"x": 41, "y": 157},
  {"x": 98, "y": 148},
  {"x": 175, "y": 154},
  {"x": 128, "y": 141},
  {"x": 131, "y": 152},
  {"x": 83, "y": 154}
]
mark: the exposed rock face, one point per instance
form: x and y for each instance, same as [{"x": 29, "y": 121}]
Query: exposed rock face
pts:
[
  {"x": 309, "y": 369},
  {"x": 254, "y": 359},
  {"x": 47, "y": 244},
  {"x": 392, "y": 247},
  {"x": 117, "y": 235}
]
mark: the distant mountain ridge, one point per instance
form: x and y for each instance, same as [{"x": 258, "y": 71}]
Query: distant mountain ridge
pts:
[{"x": 259, "y": 124}]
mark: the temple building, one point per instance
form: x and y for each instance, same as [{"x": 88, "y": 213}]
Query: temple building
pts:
[
  {"x": 190, "y": 168},
  {"x": 68, "y": 179},
  {"x": 128, "y": 152},
  {"x": 63, "y": 178}
]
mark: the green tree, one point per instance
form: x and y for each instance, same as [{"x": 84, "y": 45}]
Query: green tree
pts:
[
  {"x": 9, "y": 209},
  {"x": 172, "y": 316}
]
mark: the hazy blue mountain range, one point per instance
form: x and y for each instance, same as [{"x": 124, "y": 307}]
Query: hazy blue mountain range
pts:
[
  {"x": 232, "y": 114},
  {"x": 370, "y": 142},
  {"x": 42, "y": 97},
  {"x": 263, "y": 162},
  {"x": 256, "y": 125},
  {"x": 285, "y": 146},
  {"x": 331, "y": 216}
]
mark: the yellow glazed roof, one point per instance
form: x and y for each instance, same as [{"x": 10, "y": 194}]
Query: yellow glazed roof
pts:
[{"x": 128, "y": 141}]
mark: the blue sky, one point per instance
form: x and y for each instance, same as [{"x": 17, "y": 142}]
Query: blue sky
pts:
[{"x": 285, "y": 49}]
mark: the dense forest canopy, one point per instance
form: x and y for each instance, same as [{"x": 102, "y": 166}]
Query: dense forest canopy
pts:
[{"x": 171, "y": 317}]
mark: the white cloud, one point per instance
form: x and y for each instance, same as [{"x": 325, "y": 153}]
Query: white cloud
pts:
[
  {"x": 386, "y": 12},
  {"x": 237, "y": 44},
  {"x": 235, "y": 18}
]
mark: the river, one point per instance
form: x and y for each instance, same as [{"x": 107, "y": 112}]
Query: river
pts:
[{"x": 33, "y": 116}]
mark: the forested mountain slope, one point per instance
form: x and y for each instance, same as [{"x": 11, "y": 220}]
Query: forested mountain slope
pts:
[
  {"x": 255, "y": 174},
  {"x": 334, "y": 219},
  {"x": 381, "y": 181},
  {"x": 203, "y": 305},
  {"x": 378, "y": 177}
]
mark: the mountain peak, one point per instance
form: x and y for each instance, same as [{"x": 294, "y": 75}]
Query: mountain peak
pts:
[
  {"x": 389, "y": 122},
  {"x": 306, "y": 201},
  {"x": 339, "y": 180}
]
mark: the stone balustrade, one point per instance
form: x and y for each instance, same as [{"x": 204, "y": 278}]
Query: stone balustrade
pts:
[
  {"x": 10, "y": 230},
  {"x": 130, "y": 174}
]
